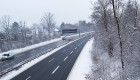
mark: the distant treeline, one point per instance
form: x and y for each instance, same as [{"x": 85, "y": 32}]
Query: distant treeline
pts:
[{"x": 15, "y": 35}]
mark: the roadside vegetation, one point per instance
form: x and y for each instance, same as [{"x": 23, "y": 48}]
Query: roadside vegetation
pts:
[
  {"x": 116, "y": 51},
  {"x": 15, "y": 35}
]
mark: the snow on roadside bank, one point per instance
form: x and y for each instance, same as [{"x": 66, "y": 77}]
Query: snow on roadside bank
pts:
[{"x": 83, "y": 64}]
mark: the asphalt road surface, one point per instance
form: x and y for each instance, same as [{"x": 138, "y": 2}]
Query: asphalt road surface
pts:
[{"x": 57, "y": 66}]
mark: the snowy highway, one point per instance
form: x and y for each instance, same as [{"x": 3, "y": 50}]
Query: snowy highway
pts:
[
  {"x": 28, "y": 54},
  {"x": 57, "y": 66}
]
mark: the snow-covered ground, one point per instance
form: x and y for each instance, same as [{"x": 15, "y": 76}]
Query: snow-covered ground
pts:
[{"x": 83, "y": 64}]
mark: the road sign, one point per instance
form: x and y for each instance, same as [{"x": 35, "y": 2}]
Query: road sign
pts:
[{"x": 69, "y": 31}]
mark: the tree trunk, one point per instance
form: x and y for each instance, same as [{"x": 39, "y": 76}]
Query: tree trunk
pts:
[{"x": 118, "y": 27}]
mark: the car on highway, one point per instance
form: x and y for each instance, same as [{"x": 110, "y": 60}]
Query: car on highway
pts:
[
  {"x": 7, "y": 56},
  {"x": 64, "y": 38}
]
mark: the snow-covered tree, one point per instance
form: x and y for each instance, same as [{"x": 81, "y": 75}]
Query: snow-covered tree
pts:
[
  {"x": 117, "y": 43},
  {"x": 48, "y": 23}
]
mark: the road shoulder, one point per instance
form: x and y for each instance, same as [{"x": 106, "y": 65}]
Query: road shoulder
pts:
[{"x": 83, "y": 64}]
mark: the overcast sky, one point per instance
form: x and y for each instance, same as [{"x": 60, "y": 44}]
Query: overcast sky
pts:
[{"x": 68, "y": 11}]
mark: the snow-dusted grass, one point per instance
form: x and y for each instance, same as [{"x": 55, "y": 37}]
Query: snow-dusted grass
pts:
[
  {"x": 83, "y": 64},
  {"x": 105, "y": 67}
]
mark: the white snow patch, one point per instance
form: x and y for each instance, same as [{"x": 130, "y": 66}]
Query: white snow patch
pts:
[{"x": 83, "y": 64}]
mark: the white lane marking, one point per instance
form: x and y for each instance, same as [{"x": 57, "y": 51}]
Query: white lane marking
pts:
[
  {"x": 65, "y": 58},
  {"x": 71, "y": 52},
  {"x": 21, "y": 55},
  {"x": 55, "y": 69},
  {"x": 7, "y": 64},
  {"x": 51, "y": 60},
  {"x": 76, "y": 48},
  {"x": 63, "y": 51},
  {"x": 28, "y": 78}
]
